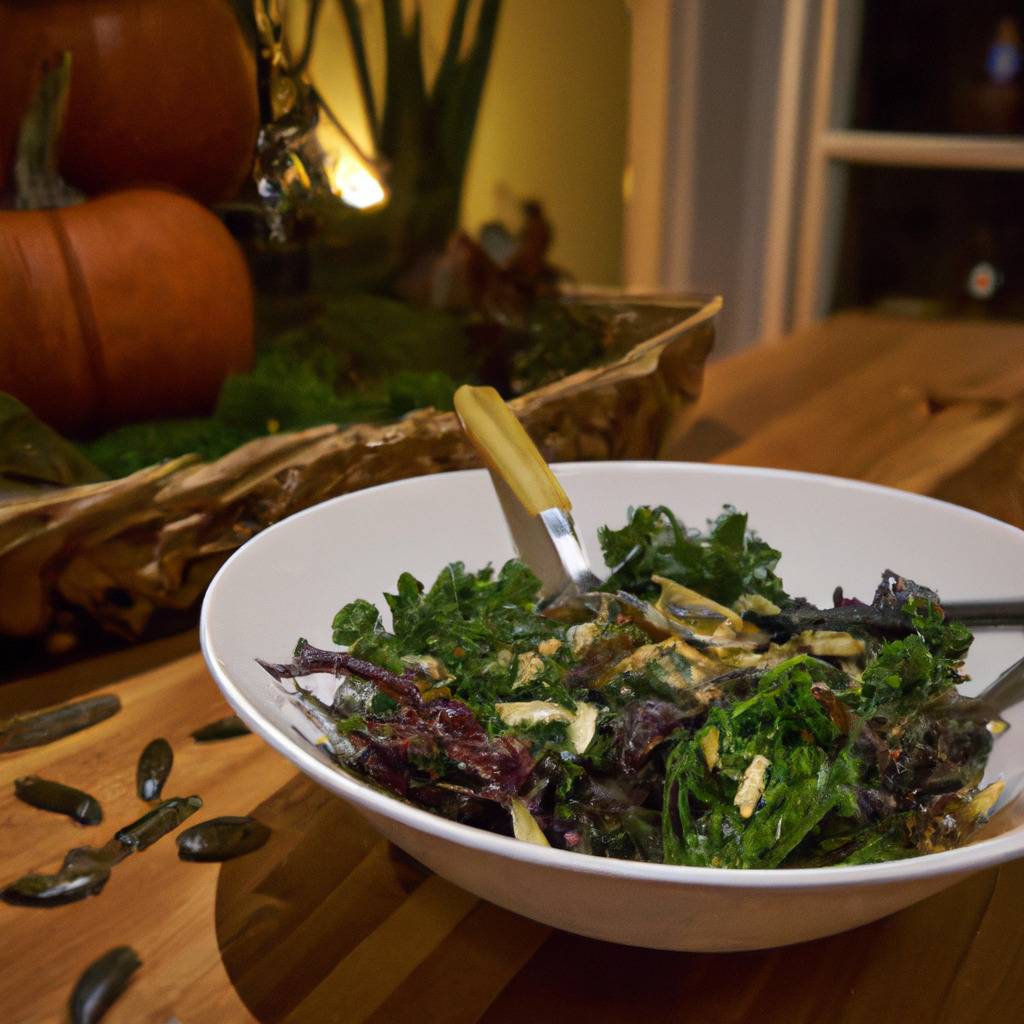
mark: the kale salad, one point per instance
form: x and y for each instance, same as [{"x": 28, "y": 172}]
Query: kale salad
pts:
[{"x": 691, "y": 712}]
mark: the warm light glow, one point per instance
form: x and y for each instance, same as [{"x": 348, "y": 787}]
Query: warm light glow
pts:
[
  {"x": 357, "y": 184},
  {"x": 352, "y": 177}
]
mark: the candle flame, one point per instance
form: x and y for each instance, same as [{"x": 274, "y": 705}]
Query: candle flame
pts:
[{"x": 357, "y": 184}]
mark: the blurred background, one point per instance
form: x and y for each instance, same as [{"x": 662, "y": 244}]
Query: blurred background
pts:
[
  {"x": 557, "y": 97},
  {"x": 797, "y": 156},
  {"x": 803, "y": 157}
]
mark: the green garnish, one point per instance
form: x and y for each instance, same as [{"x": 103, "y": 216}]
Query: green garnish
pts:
[
  {"x": 722, "y": 564},
  {"x": 837, "y": 736}
]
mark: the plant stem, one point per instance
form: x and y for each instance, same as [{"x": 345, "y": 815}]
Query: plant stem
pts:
[
  {"x": 309, "y": 38},
  {"x": 354, "y": 24},
  {"x": 453, "y": 45},
  {"x": 37, "y": 182}
]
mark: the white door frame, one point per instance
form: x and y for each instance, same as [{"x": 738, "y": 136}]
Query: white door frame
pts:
[
  {"x": 659, "y": 176},
  {"x": 795, "y": 234}
]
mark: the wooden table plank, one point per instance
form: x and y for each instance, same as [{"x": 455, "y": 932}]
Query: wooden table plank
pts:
[
  {"x": 845, "y": 376},
  {"x": 936, "y": 408},
  {"x": 461, "y": 978},
  {"x": 163, "y": 907},
  {"x": 396, "y": 947},
  {"x": 911, "y": 968},
  {"x": 748, "y": 389},
  {"x": 886, "y": 396}
]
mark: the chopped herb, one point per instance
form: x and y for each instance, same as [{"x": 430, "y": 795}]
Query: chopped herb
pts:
[
  {"x": 663, "y": 734},
  {"x": 723, "y": 563}
]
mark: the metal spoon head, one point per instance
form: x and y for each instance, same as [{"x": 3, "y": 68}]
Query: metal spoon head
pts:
[
  {"x": 548, "y": 544},
  {"x": 1003, "y": 693},
  {"x": 536, "y": 507}
]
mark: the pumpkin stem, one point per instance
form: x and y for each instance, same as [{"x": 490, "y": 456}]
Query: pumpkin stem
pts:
[{"x": 37, "y": 182}]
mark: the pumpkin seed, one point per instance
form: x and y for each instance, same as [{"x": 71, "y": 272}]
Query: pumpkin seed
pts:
[
  {"x": 69, "y": 885},
  {"x": 86, "y": 869},
  {"x": 83, "y": 858},
  {"x": 102, "y": 982},
  {"x": 154, "y": 767},
  {"x": 222, "y": 839},
  {"x": 222, "y": 729},
  {"x": 38, "y": 727},
  {"x": 55, "y": 796},
  {"x": 84, "y": 872},
  {"x": 164, "y": 818}
]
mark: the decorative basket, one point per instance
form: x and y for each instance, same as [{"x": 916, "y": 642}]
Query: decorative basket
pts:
[{"x": 122, "y": 552}]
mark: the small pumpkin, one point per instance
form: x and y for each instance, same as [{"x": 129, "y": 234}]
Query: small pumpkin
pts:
[
  {"x": 165, "y": 91},
  {"x": 131, "y": 306},
  {"x": 134, "y": 305}
]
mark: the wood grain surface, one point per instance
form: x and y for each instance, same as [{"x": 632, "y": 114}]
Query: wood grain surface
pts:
[{"x": 330, "y": 923}]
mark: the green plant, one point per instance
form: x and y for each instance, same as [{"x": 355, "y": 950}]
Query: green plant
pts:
[
  {"x": 421, "y": 132},
  {"x": 426, "y": 135}
]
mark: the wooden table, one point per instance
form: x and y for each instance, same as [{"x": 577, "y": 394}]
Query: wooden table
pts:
[{"x": 329, "y": 923}]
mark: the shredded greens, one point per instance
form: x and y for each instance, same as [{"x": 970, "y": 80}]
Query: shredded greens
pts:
[
  {"x": 690, "y": 713},
  {"x": 810, "y": 771},
  {"x": 723, "y": 563}
]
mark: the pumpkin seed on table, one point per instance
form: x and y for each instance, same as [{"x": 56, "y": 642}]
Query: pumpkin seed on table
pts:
[
  {"x": 222, "y": 839},
  {"x": 69, "y": 885},
  {"x": 154, "y": 767},
  {"x": 55, "y": 796},
  {"x": 86, "y": 869},
  {"x": 164, "y": 818},
  {"x": 101, "y": 983},
  {"x": 222, "y": 729},
  {"x": 36, "y": 728},
  {"x": 83, "y": 873},
  {"x": 83, "y": 858}
]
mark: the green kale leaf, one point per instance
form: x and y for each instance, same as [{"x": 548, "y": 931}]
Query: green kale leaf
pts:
[
  {"x": 476, "y": 624},
  {"x": 945, "y": 639},
  {"x": 723, "y": 563},
  {"x": 811, "y": 773},
  {"x": 354, "y": 620},
  {"x": 912, "y": 670}
]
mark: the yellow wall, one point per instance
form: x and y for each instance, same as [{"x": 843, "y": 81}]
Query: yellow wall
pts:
[{"x": 552, "y": 125}]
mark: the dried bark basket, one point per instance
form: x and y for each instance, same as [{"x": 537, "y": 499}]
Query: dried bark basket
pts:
[{"x": 122, "y": 552}]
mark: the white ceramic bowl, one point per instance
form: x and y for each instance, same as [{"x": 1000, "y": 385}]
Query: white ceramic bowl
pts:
[{"x": 289, "y": 581}]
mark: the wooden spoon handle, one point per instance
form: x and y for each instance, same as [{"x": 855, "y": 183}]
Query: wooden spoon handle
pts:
[{"x": 507, "y": 449}]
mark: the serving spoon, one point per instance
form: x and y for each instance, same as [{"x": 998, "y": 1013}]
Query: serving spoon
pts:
[
  {"x": 1004, "y": 691},
  {"x": 536, "y": 507}
]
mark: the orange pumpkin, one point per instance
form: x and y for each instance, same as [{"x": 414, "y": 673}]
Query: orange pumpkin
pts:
[
  {"x": 131, "y": 306},
  {"x": 164, "y": 91}
]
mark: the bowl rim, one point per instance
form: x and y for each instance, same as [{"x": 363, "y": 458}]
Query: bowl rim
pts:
[{"x": 971, "y": 858}]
